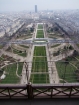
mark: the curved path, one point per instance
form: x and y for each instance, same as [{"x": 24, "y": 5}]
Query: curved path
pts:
[{"x": 17, "y": 71}]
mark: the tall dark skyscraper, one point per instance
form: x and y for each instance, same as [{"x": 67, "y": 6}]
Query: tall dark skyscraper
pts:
[{"x": 35, "y": 8}]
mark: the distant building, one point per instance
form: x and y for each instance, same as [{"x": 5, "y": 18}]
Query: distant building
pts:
[{"x": 35, "y": 8}]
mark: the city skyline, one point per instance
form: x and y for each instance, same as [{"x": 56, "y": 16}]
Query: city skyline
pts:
[{"x": 17, "y": 5}]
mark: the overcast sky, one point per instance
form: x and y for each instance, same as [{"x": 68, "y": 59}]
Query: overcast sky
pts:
[{"x": 20, "y": 5}]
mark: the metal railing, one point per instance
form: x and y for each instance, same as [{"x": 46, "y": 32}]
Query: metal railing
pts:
[{"x": 32, "y": 91}]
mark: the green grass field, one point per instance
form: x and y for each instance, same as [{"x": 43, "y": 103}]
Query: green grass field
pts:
[
  {"x": 74, "y": 60},
  {"x": 23, "y": 54},
  {"x": 40, "y": 34},
  {"x": 40, "y": 26},
  {"x": 1, "y": 58},
  {"x": 39, "y": 78},
  {"x": 10, "y": 72},
  {"x": 20, "y": 68},
  {"x": 40, "y": 65},
  {"x": 67, "y": 74},
  {"x": 40, "y": 51}
]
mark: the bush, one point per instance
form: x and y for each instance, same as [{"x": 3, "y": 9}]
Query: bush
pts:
[
  {"x": 56, "y": 53},
  {"x": 75, "y": 53},
  {"x": 70, "y": 47}
]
